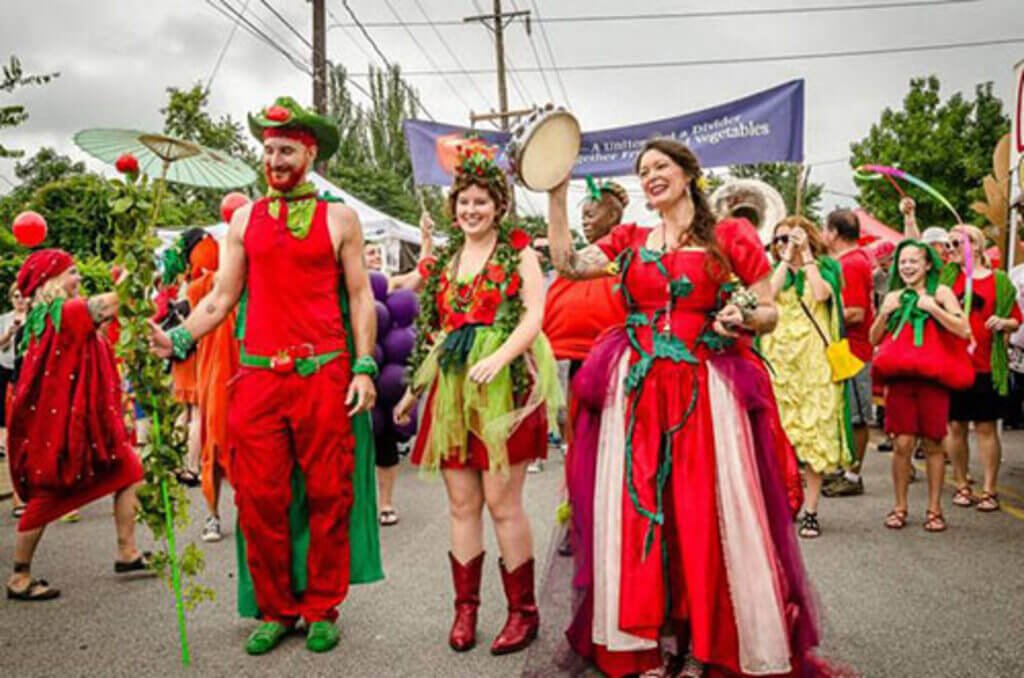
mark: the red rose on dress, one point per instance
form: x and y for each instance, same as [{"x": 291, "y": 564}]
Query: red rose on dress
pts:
[
  {"x": 514, "y": 283},
  {"x": 455, "y": 321},
  {"x": 486, "y": 306},
  {"x": 426, "y": 266},
  {"x": 463, "y": 291},
  {"x": 278, "y": 114},
  {"x": 496, "y": 274},
  {"x": 519, "y": 239},
  {"x": 127, "y": 164}
]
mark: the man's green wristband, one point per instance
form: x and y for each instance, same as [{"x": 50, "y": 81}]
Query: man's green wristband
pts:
[
  {"x": 182, "y": 342},
  {"x": 366, "y": 365}
]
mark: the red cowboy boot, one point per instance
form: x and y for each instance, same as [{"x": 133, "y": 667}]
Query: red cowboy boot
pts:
[
  {"x": 466, "y": 579},
  {"x": 523, "y": 617}
]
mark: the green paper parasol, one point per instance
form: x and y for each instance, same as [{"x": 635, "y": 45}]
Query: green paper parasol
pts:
[{"x": 162, "y": 156}]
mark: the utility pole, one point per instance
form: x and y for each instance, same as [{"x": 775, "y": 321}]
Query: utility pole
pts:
[
  {"x": 319, "y": 57},
  {"x": 496, "y": 22}
]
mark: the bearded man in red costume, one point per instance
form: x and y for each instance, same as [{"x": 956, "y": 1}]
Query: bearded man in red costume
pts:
[
  {"x": 576, "y": 312},
  {"x": 299, "y": 386},
  {"x": 67, "y": 440}
]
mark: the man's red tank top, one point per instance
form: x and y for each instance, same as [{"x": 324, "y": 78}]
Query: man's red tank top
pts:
[{"x": 292, "y": 285}]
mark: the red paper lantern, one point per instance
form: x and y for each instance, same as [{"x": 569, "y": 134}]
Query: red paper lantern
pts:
[
  {"x": 231, "y": 202},
  {"x": 29, "y": 229}
]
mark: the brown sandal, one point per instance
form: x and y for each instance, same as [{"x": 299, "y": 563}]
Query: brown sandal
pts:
[
  {"x": 964, "y": 497},
  {"x": 988, "y": 502},
  {"x": 896, "y": 519},
  {"x": 934, "y": 522}
]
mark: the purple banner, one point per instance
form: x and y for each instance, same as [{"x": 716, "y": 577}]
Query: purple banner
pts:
[{"x": 764, "y": 127}]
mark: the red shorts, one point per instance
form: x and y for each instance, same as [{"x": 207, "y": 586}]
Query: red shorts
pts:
[{"x": 917, "y": 408}]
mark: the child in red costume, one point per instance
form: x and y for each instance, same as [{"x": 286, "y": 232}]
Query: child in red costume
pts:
[
  {"x": 299, "y": 386},
  {"x": 916, "y": 402},
  {"x": 67, "y": 441}
]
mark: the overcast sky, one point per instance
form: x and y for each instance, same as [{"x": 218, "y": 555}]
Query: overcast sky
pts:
[{"x": 116, "y": 57}]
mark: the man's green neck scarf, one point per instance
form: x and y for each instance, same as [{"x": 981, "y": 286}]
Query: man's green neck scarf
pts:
[{"x": 299, "y": 205}]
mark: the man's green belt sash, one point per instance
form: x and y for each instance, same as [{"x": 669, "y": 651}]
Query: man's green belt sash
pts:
[{"x": 284, "y": 362}]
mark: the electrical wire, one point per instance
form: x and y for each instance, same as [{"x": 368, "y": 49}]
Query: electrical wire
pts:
[
  {"x": 376, "y": 48},
  {"x": 661, "y": 16},
  {"x": 748, "y": 60},
  {"x": 551, "y": 53},
  {"x": 509, "y": 69},
  {"x": 223, "y": 51},
  {"x": 231, "y": 15},
  {"x": 430, "y": 59},
  {"x": 451, "y": 52},
  {"x": 287, "y": 23},
  {"x": 536, "y": 56}
]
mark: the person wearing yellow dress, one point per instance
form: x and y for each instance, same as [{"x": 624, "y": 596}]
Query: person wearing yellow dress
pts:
[{"x": 807, "y": 286}]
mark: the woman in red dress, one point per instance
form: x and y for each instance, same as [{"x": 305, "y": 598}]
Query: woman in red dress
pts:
[
  {"x": 492, "y": 387},
  {"x": 688, "y": 523},
  {"x": 67, "y": 440}
]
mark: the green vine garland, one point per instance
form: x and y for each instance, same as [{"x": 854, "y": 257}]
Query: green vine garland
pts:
[
  {"x": 134, "y": 221},
  {"x": 428, "y": 323}
]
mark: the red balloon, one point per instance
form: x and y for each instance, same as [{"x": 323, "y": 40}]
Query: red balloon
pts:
[
  {"x": 29, "y": 228},
  {"x": 230, "y": 203}
]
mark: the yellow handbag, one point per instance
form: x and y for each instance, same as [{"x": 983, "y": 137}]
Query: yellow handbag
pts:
[{"x": 843, "y": 363}]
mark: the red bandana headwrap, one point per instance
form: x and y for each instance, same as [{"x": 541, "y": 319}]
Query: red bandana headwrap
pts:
[
  {"x": 41, "y": 266},
  {"x": 299, "y": 134}
]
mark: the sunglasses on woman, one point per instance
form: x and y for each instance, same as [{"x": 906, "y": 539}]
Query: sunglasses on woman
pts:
[
  {"x": 953, "y": 244},
  {"x": 780, "y": 240}
]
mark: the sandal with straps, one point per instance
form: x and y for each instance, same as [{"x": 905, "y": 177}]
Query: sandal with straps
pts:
[
  {"x": 934, "y": 522},
  {"x": 37, "y": 589},
  {"x": 896, "y": 519},
  {"x": 964, "y": 497},
  {"x": 988, "y": 502},
  {"x": 809, "y": 527}
]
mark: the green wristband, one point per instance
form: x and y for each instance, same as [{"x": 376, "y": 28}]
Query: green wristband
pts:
[
  {"x": 366, "y": 365},
  {"x": 182, "y": 342}
]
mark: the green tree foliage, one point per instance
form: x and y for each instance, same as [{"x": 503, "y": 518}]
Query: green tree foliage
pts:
[
  {"x": 373, "y": 161},
  {"x": 186, "y": 117},
  {"x": 946, "y": 144},
  {"x": 12, "y": 115},
  {"x": 783, "y": 176}
]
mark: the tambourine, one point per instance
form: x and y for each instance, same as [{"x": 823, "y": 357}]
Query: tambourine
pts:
[{"x": 544, "y": 148}]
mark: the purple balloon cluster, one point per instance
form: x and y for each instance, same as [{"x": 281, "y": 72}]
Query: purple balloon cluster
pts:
[{"x": 396, "y": 338}]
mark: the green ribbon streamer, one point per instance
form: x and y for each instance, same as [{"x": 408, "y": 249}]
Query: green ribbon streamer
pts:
[
  {"x": 172, "y": 551},
  {"x": 456, "y": 347},
  {"x": 299, "y": 205},
  {"x": 593, "y": 190}
]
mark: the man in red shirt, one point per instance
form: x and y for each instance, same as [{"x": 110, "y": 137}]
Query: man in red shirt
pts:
[{"x": 841, "y": 235}]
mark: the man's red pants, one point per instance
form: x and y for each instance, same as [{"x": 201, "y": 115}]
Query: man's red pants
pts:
[{"x": 277, "y": 420}]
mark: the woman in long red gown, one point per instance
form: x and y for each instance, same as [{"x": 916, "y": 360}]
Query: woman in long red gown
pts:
[{"x": 684, "y": 512}]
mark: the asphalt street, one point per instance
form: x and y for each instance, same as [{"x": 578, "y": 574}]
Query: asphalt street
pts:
[{"x": 895, "y": 604}]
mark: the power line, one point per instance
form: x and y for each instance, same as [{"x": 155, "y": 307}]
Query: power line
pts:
[
  {"x": 287, "y": 24},
  {"x": 430, "y": 59},
  {"x": 224, "y": 51},
  {"x": 551, "y": 53},
  {"x": 232, "y": 15},
  {"x": 516, "y": 83},
  {"x": 348, "y": 34},
  {"x": 661, "y": 16},
  {"x": 267, "y": 28},
  {"x": 536, "y": 56},
  {"x": 376, "y": 48},
  {"x": 451, "y": 53},
  {"x": 748, "y": 60}
]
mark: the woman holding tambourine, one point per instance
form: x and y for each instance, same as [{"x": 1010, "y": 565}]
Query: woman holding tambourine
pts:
[{"x": 920, "y": 328}]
